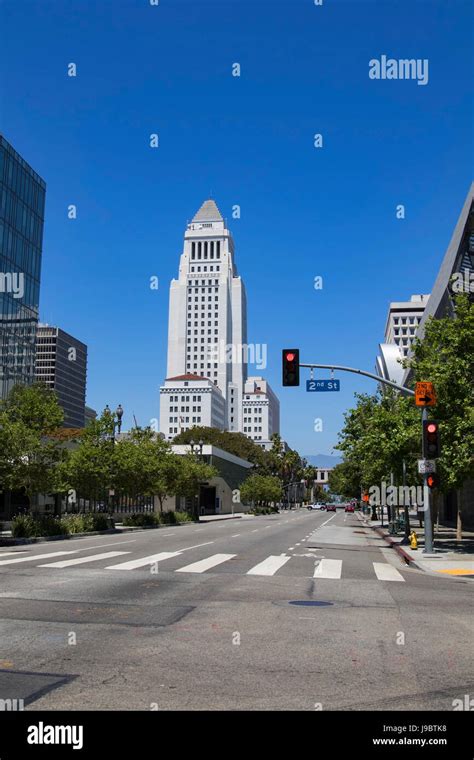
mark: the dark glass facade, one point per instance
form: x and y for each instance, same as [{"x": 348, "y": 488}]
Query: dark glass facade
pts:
[
  {"x": 61, "y": 364},
  {"x": 22, "y": 202}
]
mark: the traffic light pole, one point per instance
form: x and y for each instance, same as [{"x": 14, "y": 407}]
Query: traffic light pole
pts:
[{"x": 427, "y": 498}]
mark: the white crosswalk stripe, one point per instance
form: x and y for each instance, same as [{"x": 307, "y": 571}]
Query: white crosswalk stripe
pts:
[
  {"x": 386, "y": 572},
  {"x": 269, "y": 566},
  {"x": 150, "y": 560},
  {"x": 206, "y": 564},
  {"x": 83, "y": 560},
  {"x": 329, "y": 568},
  {"x": 33, "y": 557}
]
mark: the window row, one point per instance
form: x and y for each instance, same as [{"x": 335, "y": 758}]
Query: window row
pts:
[
  {"x": 207, "y": 249},
  {"x": 204, "y": 269}
]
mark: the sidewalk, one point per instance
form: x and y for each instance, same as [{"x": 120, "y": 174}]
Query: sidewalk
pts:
[{"x": 450, "y": 557}]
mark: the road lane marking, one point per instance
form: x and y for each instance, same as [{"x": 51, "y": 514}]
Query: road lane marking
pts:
[
  {"x": 150, "y": 560},
  {"x": 235, "y": 535},
  {"x": 83, "y": 560},
  {"x": 206, "y": 564},
  {"x": 34, "y": 557},
  {"x": 269, "y": 566},
  {"x": 386, "y": 572},
  {"x": 324, "y": 523},
  {"x": 114, "y": 543},
  {"x": 328, "y": 568},
  {"x": 196, "y": 546},
  {"x": 10, "y": 554}
]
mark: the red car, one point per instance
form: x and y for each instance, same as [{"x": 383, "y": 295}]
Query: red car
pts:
[
  {"x": 349, "y": 508},
  {"x": 331, "y": 508}
]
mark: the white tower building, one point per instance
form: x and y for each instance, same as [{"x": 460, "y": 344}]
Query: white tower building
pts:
[{"x": 207, "y": 332}]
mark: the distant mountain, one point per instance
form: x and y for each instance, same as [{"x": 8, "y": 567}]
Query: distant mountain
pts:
[{"x": 322, "y": 460}]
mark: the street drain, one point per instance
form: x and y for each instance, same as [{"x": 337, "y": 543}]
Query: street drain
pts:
[{"x": 312, "y": 604}]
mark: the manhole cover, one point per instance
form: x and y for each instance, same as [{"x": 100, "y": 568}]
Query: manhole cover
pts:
[{"x": 312, "y": 604}]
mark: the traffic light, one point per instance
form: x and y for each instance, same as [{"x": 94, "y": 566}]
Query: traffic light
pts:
[
  {"x": 291, "y": 366},
  {"x": 432, "y": 480},
  {"x": 431, "y": 439}
]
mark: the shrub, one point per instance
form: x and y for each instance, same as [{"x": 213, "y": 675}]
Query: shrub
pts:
[
  {"x": 84, "y": 523},
  {"x": 28, "y": 526},
  {"x": 142, "y": 519},
  {"x": 172, "y": 518},
  {"x": 264, "y": 510},
  {"x": 183, "y": 517}
]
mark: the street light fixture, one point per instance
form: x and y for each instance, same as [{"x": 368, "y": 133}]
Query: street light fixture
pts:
[
  {"x": 196, "y": 449},
  {"x": 116, "y": 420}
]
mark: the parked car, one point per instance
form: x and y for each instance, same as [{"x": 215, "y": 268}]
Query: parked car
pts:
[
  {"x": 330, "y": 507},
  {"x": 349, "y": 508},
  {"x": 317, "y": 505}
]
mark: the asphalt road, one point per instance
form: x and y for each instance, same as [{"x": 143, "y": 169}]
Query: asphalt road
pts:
[{"x": 302, "y": 610}]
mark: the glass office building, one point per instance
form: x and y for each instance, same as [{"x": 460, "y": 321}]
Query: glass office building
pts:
[{"x": 22, "y": 202}]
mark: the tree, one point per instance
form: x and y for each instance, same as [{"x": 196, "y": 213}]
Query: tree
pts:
[
  {"x": 235, "y": 443},
  {"x": 261, "y": 490},
  {"x": 345, "y": 479},
  {"x": 30, "y": 457},
  {"x": 142, "y": 465},
  {"x": 378, "y": 434},
  {"x": 309, "y": 476},
  {"x": 192, "y": 473},
  {"x": 445, "y": 357},
  {"x": 91, "y": 467}
]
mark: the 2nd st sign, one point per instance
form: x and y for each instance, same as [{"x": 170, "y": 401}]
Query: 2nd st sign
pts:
[{"x": 323, "y": 385}]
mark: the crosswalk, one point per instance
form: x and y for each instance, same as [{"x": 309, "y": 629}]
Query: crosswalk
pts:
[{"x": 318, "y": 568}]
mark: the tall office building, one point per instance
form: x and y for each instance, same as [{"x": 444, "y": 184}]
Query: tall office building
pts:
[
  {"x": 207, "y": 333},
  {"x": 61, "y": 363},
  {"x": 22, "y": 202},
  {"x": 400, "y": 331},
  {"x": 206, "y": 383}
]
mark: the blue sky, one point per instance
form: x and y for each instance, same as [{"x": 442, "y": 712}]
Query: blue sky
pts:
[{"x": 305, "y": 211}]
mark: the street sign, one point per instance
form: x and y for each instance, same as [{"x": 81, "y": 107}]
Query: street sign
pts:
[
  {"x": 323, "y": 385},
  {"x": 425, "y": 394},
  {"x": 426, "y": 466}
]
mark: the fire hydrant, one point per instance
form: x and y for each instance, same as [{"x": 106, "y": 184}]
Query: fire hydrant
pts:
[{"x": 413, "y": 540}]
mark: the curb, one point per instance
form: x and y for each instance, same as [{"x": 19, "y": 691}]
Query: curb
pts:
[
  {"x": 71, "y": 536},
  {"x": 393, "y": 545},
  {"x": 5, "y": 541},
  {"x": 401, "y": 552}
]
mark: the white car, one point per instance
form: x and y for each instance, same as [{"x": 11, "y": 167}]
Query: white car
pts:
[{"x": 318, "y": 505}]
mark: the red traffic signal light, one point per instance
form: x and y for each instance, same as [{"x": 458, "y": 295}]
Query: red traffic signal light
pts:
[
  {"x": 291, "y": 367},
  {"x": 432, "y": 480},
  {"x": 431, "y": 439}
]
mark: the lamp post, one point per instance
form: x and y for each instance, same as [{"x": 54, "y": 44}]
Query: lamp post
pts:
[
  {"x": 196, "y": 449},
  {"x": 116, "y": 423}
]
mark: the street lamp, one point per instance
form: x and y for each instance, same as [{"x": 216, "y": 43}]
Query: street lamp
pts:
[
  {"x": 196, "y": 449},
  {"x": 116, "y": 421}
]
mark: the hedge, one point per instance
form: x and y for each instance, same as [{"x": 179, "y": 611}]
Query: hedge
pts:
[
  {"x": 140, "y": 520},
  {"x": 31, "y": 526}
]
